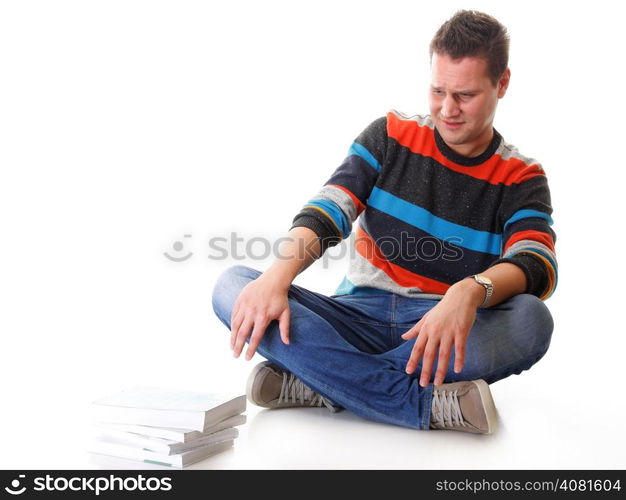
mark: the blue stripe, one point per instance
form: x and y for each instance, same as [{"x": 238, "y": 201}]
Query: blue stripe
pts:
[
  {"x": 360, "y": 150},
  {"x": 527, "y": 214},
  {"x": 473, "y": 239},
  {"x": 335, "y": 212},
  {"x": 345, "y": 287}
]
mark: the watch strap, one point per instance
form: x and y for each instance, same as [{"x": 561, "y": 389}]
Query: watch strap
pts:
[{"x": 488, "y": 290}]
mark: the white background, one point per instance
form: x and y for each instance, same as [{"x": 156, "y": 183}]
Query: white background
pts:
[{"x": 125, "y": 125}]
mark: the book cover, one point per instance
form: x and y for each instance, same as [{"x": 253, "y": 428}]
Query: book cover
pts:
[
  {"x": 179, "y": 435},
  {"x": 112, "y": 447},
  {"x": 167, "y": 446},
  {"x": 167, "y": 408}
]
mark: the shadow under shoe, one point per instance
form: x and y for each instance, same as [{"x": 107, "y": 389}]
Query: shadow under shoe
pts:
[{"x": 272, "y": 387}]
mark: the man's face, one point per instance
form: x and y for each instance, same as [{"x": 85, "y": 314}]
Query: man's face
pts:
[{"x": 463, "y": 102}]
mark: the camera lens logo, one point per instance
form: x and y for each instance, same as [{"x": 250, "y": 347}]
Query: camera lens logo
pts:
[
  {"x": 15, "y": 484},
  {"x": 178, "y": 247}
]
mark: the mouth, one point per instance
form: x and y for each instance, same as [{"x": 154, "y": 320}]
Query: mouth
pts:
[{"x": 452, "y": 125}]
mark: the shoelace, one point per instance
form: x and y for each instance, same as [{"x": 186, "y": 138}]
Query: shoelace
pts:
[
  {"x": 446, "y": 411},
  {"x": 293, "y": 390}
]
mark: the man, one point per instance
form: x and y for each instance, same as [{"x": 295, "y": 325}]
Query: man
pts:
[{"x": 419, "y": 328}]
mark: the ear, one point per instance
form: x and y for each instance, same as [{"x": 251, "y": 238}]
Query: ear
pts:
[{"x": 503, "y": 83}]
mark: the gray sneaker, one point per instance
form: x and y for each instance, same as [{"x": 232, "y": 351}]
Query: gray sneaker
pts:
[
  {"x": 272, "y": 387},
  {"x": 464, "y": 406}
]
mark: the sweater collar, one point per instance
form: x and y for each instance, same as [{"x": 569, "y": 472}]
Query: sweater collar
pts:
[{"x": 465, "y": 160}]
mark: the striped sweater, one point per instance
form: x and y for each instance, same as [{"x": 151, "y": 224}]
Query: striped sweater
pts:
[{"x": 430, "y": 217}]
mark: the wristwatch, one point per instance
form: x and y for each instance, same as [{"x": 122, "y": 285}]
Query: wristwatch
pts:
[{"x": 487, "y": 284}]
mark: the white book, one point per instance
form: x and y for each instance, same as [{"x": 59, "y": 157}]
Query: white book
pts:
[
  {"x": 179, "y": 435},
  {"x": 114, "y": 448},
  {"x": 167, "y": 446},
  {"x": 167, "y": 408}
]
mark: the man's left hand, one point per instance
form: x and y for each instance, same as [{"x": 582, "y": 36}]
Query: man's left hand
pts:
[{"x": 445, "y": 326}]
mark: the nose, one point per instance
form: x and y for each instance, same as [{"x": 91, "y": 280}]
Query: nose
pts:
[{"x": 449, "y": 107}]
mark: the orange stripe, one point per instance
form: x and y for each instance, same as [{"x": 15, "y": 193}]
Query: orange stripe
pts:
[
  {"x": 357, "y": 203},
  {"x": 368, "y": 249},
  {"x": 537, "y": 236},
  {"x": 421, "y": 140},
  {"x": 326, "y": 214}
]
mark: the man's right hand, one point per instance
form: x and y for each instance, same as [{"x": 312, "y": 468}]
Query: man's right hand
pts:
[
  {"x": 260, "y": 302},
  {"x": 265, "y": 299}
]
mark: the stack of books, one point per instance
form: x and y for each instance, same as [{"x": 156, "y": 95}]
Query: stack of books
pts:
[{"x": 165, "y": 427}]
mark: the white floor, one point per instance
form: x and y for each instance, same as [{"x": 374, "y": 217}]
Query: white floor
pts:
[
  {"x": 534, "y": 433},
  {"x": 537, "y": 431},
  {"x": 546, "y": 422}
]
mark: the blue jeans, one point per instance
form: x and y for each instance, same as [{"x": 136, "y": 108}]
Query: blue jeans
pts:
[{"x": 348, "y": 347}]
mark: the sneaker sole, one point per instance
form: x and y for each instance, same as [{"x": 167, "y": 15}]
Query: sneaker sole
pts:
[{"x": 488, "y": 405}]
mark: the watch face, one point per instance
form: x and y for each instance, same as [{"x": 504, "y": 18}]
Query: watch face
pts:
[{"x": 483, "y": 280}]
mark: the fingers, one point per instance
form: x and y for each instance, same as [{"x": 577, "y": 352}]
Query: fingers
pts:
[
  {"x": 257, "y": 334},
  {"x": 235, "y": 324},
  {"x": 428, "y": 349},
  {"x": 283, "y": 325},
  {"x": 254, "y": 326},
  {"x": 234, "y": 312},
  {"x": 430, "y": 352},
  {"x": 416, "y": 354},
  {"x": 445, "y": 349},
  {"x": 242, "y": 335},
  {"x": 258, "y": 330},
  {"x": 413, "y": 332},
  {"x": 459, "y": 354},
  {"x": 440, "y": 330}
]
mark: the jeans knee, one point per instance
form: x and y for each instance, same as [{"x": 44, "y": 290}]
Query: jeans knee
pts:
[
  {"x": 535, "y": 322},
  {"x": 228, "y": 286}
]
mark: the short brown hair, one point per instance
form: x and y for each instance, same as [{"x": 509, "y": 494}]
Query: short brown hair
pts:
[{"x": 474, "y": 34}]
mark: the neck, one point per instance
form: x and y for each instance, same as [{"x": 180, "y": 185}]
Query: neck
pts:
[{"x": 476, "y": 147}]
